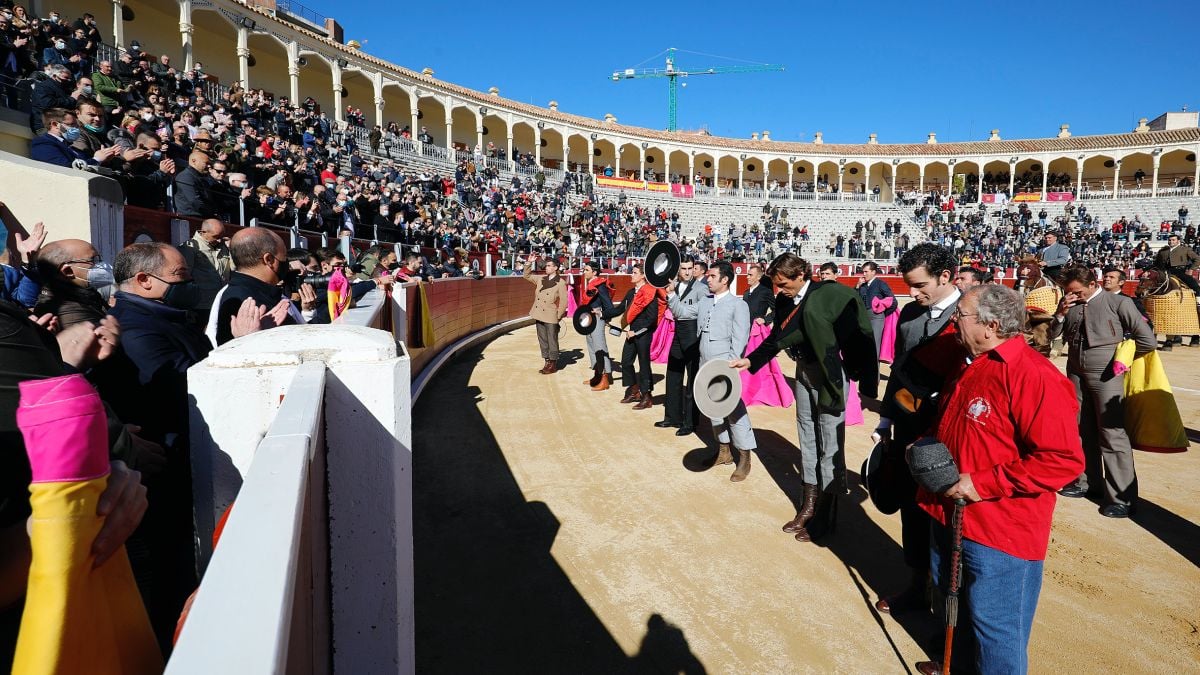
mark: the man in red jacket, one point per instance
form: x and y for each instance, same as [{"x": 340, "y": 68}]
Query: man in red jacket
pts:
[{"x": 1008, "y": 418}]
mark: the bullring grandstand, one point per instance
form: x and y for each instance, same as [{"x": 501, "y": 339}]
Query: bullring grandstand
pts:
[{"x": 407, "y": 500}]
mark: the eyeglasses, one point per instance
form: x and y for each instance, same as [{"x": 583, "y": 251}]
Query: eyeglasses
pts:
[{"x": 958, "y": 314}]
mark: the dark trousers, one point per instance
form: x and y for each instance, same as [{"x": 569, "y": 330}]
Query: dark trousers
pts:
[
  {"x": 681, "y": 406},
  {"x": 914, "y": 521},
  {"x": 637, "y": 348}
]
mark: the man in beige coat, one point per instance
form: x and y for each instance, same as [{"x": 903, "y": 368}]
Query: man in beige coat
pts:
[{"x": 549, "y": 307}]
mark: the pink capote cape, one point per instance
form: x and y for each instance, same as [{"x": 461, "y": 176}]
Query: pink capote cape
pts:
[
  {"x": 768, "y": 386},
  {"x": 887, "y": 344},
  {"x": 660, "y": 343}
]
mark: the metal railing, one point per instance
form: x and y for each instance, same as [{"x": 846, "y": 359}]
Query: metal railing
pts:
[{"x": 300, "y": 12}]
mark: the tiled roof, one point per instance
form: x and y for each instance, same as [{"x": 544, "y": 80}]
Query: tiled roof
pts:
[{"x": 968, "y": 149}]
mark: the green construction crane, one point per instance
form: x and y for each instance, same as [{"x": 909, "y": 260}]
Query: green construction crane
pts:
[{"x": 673, "y": 74}]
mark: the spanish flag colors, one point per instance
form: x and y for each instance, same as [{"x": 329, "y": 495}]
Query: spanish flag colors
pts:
[{"x": 76, "y": 619}]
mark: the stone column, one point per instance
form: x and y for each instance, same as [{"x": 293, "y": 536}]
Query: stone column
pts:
[
  {"x": 741, "y": 177},
  {"x": 335, "y": 72},
  {"x": 537, "y": 145},
  {"x": 1154, "y": 185},
  {"x": 243, "y": 56},
  {"x": 1045, "y": 178},
  {"x": 293, "y": 50},
  {"x": 867, "y": 182},
  {"x": 1116, "y": 178},
  {"x": 841, "y": 187},
  {"x": 118, "y": 23},
  {"x": 591, "y": 152},
  {"x": 377, "y": 81},
  {"x": 185, "y": 32}
]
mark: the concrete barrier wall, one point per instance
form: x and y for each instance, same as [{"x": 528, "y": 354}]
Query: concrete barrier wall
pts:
[{"x": 73, "y": 204}]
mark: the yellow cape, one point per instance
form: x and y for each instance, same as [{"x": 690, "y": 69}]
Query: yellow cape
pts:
[{"x": 1151, "y": 415}]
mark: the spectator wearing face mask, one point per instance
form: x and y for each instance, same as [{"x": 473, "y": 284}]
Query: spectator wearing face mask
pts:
[
  {"x": 260, "y": 264},
  {"x": 76, "y": 283},
  {"x": 56, "y": 91},
  {"x": 54, "y": 146},
  {"x": 210, "y": 262}
]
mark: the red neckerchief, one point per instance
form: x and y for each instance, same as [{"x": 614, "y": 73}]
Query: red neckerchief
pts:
[{"x": 590, "y": 289}]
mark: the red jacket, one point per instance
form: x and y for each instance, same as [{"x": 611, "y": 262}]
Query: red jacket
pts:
[{"x": 1009, "y": 419}]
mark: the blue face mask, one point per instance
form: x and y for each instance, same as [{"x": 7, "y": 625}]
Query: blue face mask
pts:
[{"x": 70, "y": 134}]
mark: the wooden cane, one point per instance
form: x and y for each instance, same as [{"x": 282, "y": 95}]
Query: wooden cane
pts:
[{"x": 955, "y": 577}]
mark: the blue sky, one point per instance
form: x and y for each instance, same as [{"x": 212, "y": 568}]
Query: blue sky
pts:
[{"x": 852, "y": 68}]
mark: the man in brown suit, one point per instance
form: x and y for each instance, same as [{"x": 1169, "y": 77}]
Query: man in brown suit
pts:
[
  {"x": 549, "y": 307},
  {"x": 1093, "y": 323}
]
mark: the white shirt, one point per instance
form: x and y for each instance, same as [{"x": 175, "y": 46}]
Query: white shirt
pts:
[
  {"x": 717, "y": 297},
  {"x": 800, "y": 296},
  {"x": 935, "y": 312}
]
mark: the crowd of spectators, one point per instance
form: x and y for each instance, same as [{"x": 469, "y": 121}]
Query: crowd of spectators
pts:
[{"x": 247, "y": 154}]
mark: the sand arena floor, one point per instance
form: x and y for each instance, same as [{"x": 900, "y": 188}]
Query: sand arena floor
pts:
[{"x": 558, "y": 531}]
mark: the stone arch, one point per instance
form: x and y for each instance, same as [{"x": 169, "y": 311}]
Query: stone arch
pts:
[
  {"x": 777, "y": 174},
  {"x": 630, "y": 160},
  {"x": 706, "y": 166},
  {"x": 679, "y": 167},
  {"x": 523, "y": 139},
  {"x": 1174, "y": 167},
  {"x": 1063, "y": 172},
  {"x": 463, "y": 118},
  {"x": 937, "y": 176},
  {"x": 1098, "y": 173},
  {"x": 995, "y": 176},
  {"x": 854, "y": 177},
  {"x": 552, "y": 148},
  {"x": 431, "y": 114},
  {"x": 1131, "y": 164},
  {"x": 727, "y": 166},
  {"x": 606, "y": 158},
  {"x": 577, "y": 152}
]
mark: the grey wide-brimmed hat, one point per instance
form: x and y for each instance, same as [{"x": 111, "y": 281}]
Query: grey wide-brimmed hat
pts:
[{"x": 718, "y": 388}]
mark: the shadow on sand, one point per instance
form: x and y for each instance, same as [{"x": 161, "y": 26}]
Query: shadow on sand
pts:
[{"x": 490, "y": 597}]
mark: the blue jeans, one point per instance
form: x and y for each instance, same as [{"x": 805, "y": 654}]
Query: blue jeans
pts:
[{"x": 998, "y": 594}]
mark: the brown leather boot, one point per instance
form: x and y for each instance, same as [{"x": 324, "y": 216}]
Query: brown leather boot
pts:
[
  {"x": 824, "y": 519},
  {"x": 645, "y": 403},
  {"x": 806, "y": 510},
  {"x": 632, "y": 394},
  {"x": 604, "y": 383},
  {"x": 551, "y": 367},
  {"x": 723, "y": 455},
  {"x": 743, "y": 466},
  {"x": 597, "y": 373},
  {"x": 545, "y": 367}
]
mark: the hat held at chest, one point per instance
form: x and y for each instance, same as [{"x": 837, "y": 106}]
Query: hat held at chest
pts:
[{"x": 718, "y": 389}]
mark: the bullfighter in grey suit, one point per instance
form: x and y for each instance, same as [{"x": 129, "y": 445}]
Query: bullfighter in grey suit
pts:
[
  {"x": 723, "y": 327},
  {"x": 1093, "y": 323}
]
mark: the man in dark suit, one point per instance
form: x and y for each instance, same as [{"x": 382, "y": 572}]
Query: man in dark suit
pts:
[
  {"x": 1093, "y": 323},
  {"x": 639, "y": 313},
  {"x": 926, "y": 351},
  {"x": 872, "y": 289},
  {"x": 193, "y": 188},
  {"x": 684, "y": 357},
  {"x": 758, "y": 296}
]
